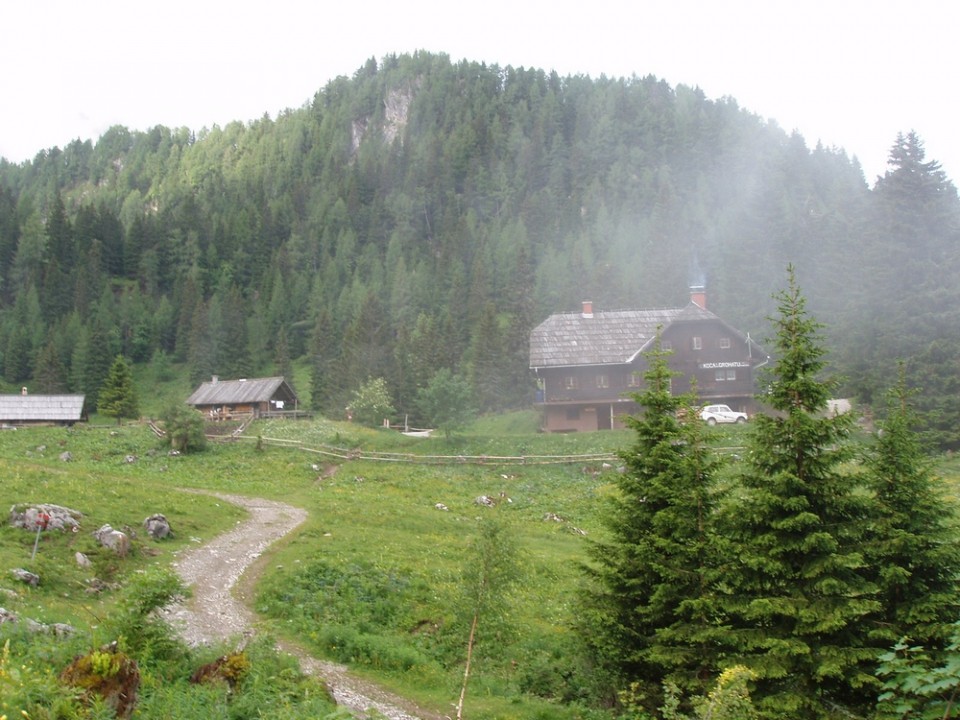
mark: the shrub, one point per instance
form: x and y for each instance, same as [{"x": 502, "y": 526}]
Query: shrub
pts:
[
  {"x": 184, "y": 427},
  {"x": 144, "y": 633},
  {"x": 371, "y": 402},
  {"x": 28, "y": 684}
]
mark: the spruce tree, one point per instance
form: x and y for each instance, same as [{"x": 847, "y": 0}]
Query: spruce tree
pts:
[
  {"x": 234, "y": 341},
  {"x": 92, "y": 365},
  {"x": 914, "y": 550},
  {"x": 118, "y": 396},
  {"x": 202, "y": 353},
  {"x": 49, "y": 373},
  {"x": 798, "y": 593},
  {"x": 651, "y": 612},
  {"x": 283, "y": 365},
  {"x": 323, "y": 349},
  {"x": 486, "y": 361}
]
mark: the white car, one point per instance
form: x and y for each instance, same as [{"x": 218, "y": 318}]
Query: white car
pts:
[{"x": 713, "y": 414}]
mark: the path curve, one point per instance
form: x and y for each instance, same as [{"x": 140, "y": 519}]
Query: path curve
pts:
[{"x": 214, "y": 614}]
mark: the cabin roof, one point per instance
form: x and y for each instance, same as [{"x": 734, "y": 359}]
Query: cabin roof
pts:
[
  {"x": 603, "y": 338},
  {"x": 232, "y": 392},
  {"x": 41, "y": 408}
]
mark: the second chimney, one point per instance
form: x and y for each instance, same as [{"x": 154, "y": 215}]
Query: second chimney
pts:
[{"x": 588, "y": 308}]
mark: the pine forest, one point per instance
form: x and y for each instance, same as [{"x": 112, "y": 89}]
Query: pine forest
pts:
[{"x": 424, "y": 215}]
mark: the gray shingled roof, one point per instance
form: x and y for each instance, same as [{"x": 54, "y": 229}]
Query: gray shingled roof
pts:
[
  {"x": 605, "y": 338},
  {"x": 232, "y": 392},
  {"x": 40, "y": 408}
]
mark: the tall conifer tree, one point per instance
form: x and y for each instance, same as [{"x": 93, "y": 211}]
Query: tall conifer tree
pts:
[
  {"x": 49, "y": 373},
  {"x": 118, "y": 396},
  {"x": 322, "y": 358},
  {"x": 487, "y": 361},
  {"x": 914, "y": 552},
  {"x": 652, "y": 610},
  {"x": 799, "y": 595},
  {"x": 94, "y": 366}
]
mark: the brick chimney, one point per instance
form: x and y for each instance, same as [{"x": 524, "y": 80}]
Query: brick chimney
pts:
[
  {"x": 587, "y": 309},
  {"x": 698, "y": 296}
]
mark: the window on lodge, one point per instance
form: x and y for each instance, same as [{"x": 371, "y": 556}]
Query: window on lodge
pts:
[
  {"x": 603, "y": 381},
  {"x": 633, "y": 379},
  {"x": 697, "y": 343},
  {"x": 570, "y": 382},
  {"x": 725, "y": 343},
  {"x": 725, "y": 375}
]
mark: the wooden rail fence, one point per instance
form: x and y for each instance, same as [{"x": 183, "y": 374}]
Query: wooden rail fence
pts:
[{"x": 373, "y": 456}]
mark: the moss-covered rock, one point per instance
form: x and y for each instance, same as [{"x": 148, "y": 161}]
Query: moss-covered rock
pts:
[
  {"x": 228, "y": 668},
  {"x": 107, "y": 674}
]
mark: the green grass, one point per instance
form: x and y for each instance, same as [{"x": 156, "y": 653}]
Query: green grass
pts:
[
  {"x": 99, "y": 482},
  {"x": 377, "y": 526},
  {"x": 374, "y": 529},
  {"x": 375, "y": 577}
]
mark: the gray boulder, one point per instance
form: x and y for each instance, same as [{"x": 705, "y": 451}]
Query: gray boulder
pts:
[
  {"x": 26, "y": 516},
  {"x": 26, "y": 576},
  {"x": 112, "y": 539},
  {"x": 157, "y": 527},
  {"x": 58, "y": 629}
]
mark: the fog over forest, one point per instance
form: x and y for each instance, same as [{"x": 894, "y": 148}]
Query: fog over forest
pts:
[{"x": 425, "y": 214}]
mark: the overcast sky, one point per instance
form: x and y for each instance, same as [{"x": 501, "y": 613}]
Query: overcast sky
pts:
[{"x": 847, "y": 73}]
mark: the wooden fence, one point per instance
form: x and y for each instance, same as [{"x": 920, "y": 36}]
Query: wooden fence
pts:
[{"x": 373, "y": 456}]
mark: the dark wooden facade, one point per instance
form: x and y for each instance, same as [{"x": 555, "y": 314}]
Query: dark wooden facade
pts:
[{"x": 588, "y": 364}]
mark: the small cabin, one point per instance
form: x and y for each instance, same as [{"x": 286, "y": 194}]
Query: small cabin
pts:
[
  {"x": 254, "y": 397},
  {"x": 27, "y": 409}
]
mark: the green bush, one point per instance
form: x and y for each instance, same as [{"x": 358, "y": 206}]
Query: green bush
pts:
[
  {"x": 29, "y": 683},
  {"x": 324, "y": 593},
  {"x": 371, "y": 403},
  {"x": 349, "y": 645},
  {"x": 144, "y": 634},
  {"x": 184, "y": 428}
]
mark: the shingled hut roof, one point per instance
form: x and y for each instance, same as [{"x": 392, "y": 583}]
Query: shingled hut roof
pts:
[
  {"x": 603, "y": 338},
  {"x": 40, "y": 408},
  {"x": 235, "y": 392}
]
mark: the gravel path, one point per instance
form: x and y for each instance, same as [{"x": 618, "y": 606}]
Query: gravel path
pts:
[{"x": 214, "y": 612}]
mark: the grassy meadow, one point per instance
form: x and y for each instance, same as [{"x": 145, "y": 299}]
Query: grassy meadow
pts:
[
  {"x": 378, "y": 577},
  {"x": 375, "y": 578}
]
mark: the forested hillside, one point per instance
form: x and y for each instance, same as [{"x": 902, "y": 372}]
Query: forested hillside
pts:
[{"x": 425, "y": 214}]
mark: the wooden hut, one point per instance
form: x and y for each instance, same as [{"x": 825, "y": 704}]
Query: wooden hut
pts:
[
  {"x": 27, "y": 409},
  {"x": 256, "y": 397}
]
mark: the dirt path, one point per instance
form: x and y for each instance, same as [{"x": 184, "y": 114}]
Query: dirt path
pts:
[{"x": 215, "y": 613}]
